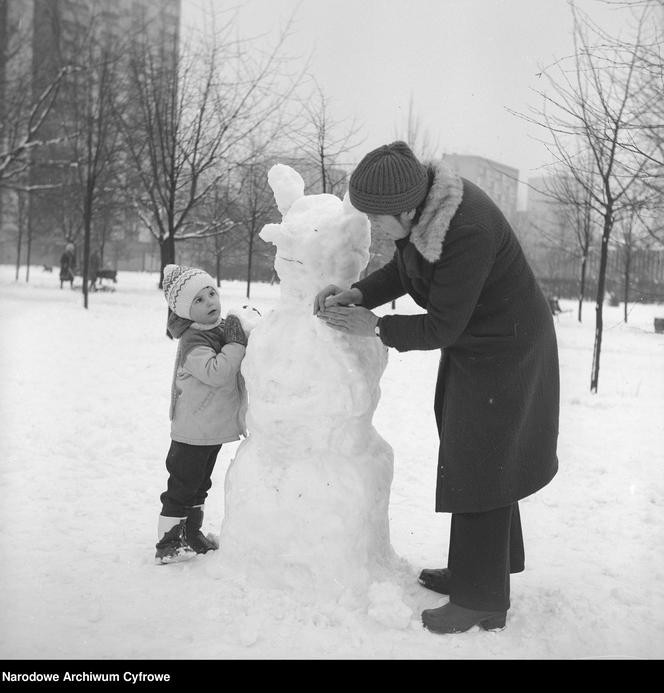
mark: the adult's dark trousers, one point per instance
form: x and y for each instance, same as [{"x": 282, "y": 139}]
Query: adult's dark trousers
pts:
[
  {"x": 189, "y": 477},
  {"x": 484, "y": 549}
]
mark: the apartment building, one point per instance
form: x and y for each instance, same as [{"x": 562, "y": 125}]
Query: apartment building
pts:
[
  {"x": 41, "y": 37},
  {"x": 498, "y": 180}
]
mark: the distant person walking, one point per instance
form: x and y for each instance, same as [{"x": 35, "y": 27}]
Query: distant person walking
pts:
[
  {"x": 68, "y": 265},
  {"x": 497, "y": 391},
  {"x": 93, "y": 270}
]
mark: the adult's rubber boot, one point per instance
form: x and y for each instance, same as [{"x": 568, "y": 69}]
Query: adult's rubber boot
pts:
[
  {"x": 451, "y": 618},
  {"x": 436, "y": 579}
]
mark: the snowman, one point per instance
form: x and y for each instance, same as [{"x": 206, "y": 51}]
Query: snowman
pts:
[{"x": 307, "y": 494}]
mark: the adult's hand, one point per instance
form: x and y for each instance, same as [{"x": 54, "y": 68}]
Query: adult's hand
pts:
[
  {"x": 350, "y": 319},
  {"x": 333, "y": 295}
]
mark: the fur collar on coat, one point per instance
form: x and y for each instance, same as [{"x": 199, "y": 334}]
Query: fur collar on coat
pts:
[{"x": 440, "y": 205}]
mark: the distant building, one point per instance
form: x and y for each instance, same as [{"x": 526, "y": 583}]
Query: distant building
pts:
[
  {"x": 43, "y": 35},
  {"x": 497, "y": 180}
]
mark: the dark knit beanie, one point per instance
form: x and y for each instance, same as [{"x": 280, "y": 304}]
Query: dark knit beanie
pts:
[{"x": 388, "y": 180}]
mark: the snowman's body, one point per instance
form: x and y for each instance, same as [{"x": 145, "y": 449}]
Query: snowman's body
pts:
[{"x": 307, "y": 494}]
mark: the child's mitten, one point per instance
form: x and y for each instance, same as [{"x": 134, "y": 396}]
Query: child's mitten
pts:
[
  {"x": 233, "y": 330},
  {"x": 249, "y": 317}
]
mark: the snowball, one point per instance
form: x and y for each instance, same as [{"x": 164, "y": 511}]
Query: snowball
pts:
[{"x": 248, "y": 315}]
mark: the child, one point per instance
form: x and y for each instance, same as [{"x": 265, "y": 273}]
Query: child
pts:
[{"x": 206, "y": 399}]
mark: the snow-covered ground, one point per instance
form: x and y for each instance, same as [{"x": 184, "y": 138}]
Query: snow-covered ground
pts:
[{"x": 84, "y": 412}]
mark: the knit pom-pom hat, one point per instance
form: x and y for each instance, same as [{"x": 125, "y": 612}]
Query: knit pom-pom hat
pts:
[
  {"x": 388, "y": 180},
  {"x": 181, "y": 284}
]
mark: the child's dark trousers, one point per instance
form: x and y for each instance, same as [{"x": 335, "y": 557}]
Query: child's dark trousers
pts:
[{"x": 190, "y": 477}]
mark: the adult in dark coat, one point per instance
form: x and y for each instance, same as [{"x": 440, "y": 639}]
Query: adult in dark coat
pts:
[
  {"x": 497, "y": 392},
  {"x": 68, "y": 265}
]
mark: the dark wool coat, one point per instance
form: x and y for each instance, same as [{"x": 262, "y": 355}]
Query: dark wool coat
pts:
[
  {"x": 67, "y": 266},
  {"x": 497, "y": 393}
]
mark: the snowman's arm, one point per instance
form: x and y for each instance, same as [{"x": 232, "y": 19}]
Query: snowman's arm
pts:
[
  {"x": 382, "y": 286},
  {"x": 216, "y": 370}
]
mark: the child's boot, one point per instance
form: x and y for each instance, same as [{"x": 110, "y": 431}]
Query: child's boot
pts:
[
  {"x": 172, "y": 545},
  {"x": 195, "y": 538}
]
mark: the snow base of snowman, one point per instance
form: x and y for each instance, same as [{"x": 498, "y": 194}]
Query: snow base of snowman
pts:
[{"x": 307, "y": 494}]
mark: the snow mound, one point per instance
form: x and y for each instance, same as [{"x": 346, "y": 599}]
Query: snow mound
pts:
[{"x": 387, "y": 606}]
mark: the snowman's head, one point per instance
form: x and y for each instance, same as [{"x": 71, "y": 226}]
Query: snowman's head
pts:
[{"x": 321, "y": 239}]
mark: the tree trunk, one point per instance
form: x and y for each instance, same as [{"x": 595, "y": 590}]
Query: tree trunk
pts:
[
  {"x": 28, "y": 253},
  {"x": 628, "y": 263},
  {"x": 601, "y": 282},
  {"x": 249, "y": 262},
  {"x": 21, "y": 222},
  {"x": 322, "y": 174},
  {"x": 87, "y": 227},
  {"x": 86, "y": 262},
  {"x": 167, "y": 256},
  {"x": 585, "y": 249},
  {"x": 582, "y": 283}
]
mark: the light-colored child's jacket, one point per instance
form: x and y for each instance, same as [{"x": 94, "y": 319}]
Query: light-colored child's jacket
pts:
[{"x": 208, "y": 391}]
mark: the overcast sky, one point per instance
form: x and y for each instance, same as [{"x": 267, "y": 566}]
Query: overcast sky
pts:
[{"x": 463, "y": 62}]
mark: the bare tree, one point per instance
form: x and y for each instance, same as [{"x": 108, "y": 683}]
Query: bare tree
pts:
[
  {"x": 218, "y": 205},
  {"x": 574, "y": 233},
  {"x": 252, "y": 207},
  {"x": 25, "y": 108},
  {"x": 626, "y": 240},
  {"x": 324, "y": 142},
  {"x": 92, "y": 136},
  {"x": 632, "y": 237},
  {"x": 590, "y": 107},
  {"x": 186, "y": 124},
  {"x": 648, "y": 136},
  {"x": 21, "y": 122},
  {"x": 415, "y": 134},
  {"x": 584, "y": 231}
]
